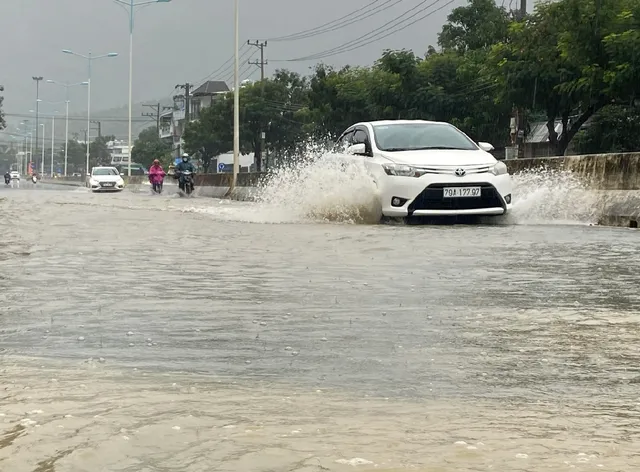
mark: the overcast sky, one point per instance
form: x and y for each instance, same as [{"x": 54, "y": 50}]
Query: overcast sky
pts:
[{"x": 184, "y": 40}]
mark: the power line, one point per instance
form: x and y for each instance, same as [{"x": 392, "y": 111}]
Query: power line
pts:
[
  {"x": 374, "y": 11},
  {"x": 225, "y": 73},
  {"x": 378, "y": 33},
  {"x": 225, "y": 65},
  {"x": 290, "y": 37},
  {"x": 79, "y": 118},
  {"x": 157, "y": 108}
]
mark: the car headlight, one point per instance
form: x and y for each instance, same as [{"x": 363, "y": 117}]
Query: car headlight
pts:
[
  {"x": 120, "y": 182},
  {"x": 400, "y": 170},
  {"x": 499, "y": 169}
]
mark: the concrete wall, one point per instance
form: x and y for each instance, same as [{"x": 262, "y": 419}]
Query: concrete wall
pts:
[{"x": 599, "y": 171}]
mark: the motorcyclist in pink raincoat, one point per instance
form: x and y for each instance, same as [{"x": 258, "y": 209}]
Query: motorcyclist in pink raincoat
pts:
[{"x": 156, "y": 176}]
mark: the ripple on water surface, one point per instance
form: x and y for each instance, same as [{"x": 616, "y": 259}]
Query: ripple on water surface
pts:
[{"x": 448, "y": 347}]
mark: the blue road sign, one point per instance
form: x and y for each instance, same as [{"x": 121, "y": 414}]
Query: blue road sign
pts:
[{"x": 221, "y": 166}]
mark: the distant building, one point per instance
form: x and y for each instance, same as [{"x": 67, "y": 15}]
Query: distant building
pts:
[
  {"x": 119, "y": 151},
  {"x": 172, "y": 122}
]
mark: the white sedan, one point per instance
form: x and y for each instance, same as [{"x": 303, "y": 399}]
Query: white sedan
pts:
[
  {"x": 428, "y": 168},
  {"x": 105, "y": 179}
]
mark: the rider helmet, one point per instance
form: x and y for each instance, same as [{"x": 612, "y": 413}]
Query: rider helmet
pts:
[{"x": 156, "y": 162}]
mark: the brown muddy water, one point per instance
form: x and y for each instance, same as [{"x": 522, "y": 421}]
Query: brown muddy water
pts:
[{"x": 144, "y": 334}]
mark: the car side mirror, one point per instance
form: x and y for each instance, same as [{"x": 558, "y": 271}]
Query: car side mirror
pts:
[
  {"x": 486, "y": 146},
  {"x": 121, "y": 174},
  {"x": 357, "y": 149}
]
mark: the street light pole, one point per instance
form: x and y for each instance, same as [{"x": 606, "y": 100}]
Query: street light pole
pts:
[
  {"x": 131, "y": 6},
  {"x": 89, "y": 59},
  {"x": 53, "y": 144},
  {"x": 236, "y": 102},
  {"x": 88, "y": 114},
  {"x": 30, "y": 160},
  {"x": 37, "y": 79},
  {"x": 42, "y": 157},
  {"x": 66, "y": 126}
]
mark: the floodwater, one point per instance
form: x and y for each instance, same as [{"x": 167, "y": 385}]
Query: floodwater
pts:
[{"x": 152, "y": 333}]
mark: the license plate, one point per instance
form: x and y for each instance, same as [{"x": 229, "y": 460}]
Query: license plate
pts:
[
  {"x": 108, "y": 184},
  {"x": 462, "y": 192}
]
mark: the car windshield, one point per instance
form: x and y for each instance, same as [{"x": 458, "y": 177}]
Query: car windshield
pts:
[
  {"x": 419, "y": 136},
  {"x": 105, "y": 172}
]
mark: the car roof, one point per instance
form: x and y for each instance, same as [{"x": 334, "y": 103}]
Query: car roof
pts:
[
  {"x": 103, "y": 167},
  {"x": 402, "y": 122}
]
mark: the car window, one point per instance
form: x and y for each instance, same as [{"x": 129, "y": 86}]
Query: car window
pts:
[
  {"x": 105, "y": 172},
  {"x": 415, "y": 136},
  {"x": 360, "y": 137}
]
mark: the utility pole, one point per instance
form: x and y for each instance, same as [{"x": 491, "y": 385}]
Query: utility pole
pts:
[
  {"x": 523, "y": 8},
  {"x": 157, "y": 108},
  {"x": 187, "y": 101},
  {"x": 261, "y": 64},
  {"x": 37, "y": 79}
]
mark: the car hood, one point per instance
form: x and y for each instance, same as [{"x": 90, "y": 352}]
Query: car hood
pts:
[
  {"x": 440, "y": 157},
  {"x": 106, "y": 178}
]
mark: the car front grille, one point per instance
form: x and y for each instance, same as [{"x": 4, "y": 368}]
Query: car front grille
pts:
[
  {"x": 431, "y": 198},
  {"x": 451, "y": 170}
]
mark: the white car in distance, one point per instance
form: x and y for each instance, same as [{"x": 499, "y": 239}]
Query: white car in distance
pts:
[
  {"x": 105, "y": 179},
  {"x": 15, "y": 178},
  {"x": 429, "y": 168}
]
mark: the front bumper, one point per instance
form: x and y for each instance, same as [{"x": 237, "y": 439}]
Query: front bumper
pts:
[
  {"x": 424, "y": 196},
  {"x": 100, "y": 188}
]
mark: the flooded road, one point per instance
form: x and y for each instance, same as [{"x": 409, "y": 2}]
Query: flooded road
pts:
[{"x": 144, "y": 333}]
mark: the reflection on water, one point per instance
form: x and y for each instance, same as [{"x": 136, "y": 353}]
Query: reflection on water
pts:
[{"x": 309, "y": 346}]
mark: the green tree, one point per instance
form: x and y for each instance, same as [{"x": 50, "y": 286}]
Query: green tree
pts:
[
  {"x": 150, "y": 146},
  {"x": 479, "y": 25},
  {"x": 272, "y": 106},
  {"x": 623, "y": 48},
  {"x": 616, "y": 128},
  {"x": 99, "y": 152},
  {"x": 556, "y": 62},
  {"x": 212, "y": 134},
  {"x": 76, "y": 156}
]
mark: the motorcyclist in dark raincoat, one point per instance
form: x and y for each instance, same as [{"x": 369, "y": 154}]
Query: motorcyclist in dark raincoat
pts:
[{"x": 183, "y": 166}]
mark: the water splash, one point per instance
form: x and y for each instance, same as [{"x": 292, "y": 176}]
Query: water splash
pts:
[
  {"x": 547, "y": 196},
  {"x": 323, "y": 187},
  {"x": 329, "y": 187}
]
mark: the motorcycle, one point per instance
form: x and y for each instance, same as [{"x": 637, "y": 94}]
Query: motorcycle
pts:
[
  {"x": 7, "y": 180},
  {"x": 157, "y": 187},
  {"x": 186, "y": 182},
  {"x": 34, "y": 179}
]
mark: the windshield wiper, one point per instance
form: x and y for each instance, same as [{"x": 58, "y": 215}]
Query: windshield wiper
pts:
[
  {"x": 426, "y": 148},
  {"x": 440, "y": 147}
]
